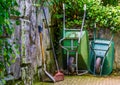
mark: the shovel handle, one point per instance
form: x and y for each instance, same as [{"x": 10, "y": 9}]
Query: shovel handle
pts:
[{"x": 41, "y": 45}]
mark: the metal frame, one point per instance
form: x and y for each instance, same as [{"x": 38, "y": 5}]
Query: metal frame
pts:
[{"x": 71, "y": 41}]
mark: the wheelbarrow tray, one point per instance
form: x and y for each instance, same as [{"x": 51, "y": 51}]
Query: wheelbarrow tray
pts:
[
  {"x": 100, "y": 47},
  {"x": 73, "y": 34}
]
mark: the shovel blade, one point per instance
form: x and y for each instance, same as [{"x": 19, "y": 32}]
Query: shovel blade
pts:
[{"x": 49, "y": 75}]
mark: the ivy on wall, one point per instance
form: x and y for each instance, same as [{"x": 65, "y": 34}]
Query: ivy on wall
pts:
[{"x": 8, "y": 8}]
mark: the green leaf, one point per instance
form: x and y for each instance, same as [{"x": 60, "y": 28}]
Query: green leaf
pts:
[
  {"x": 13, "y": 61},
  {"x": 3, "y": 82},
  {"x": 17, "y": 13},
  {"x": 18, "y": 22}
]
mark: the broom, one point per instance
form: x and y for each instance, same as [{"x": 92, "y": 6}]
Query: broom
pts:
[{"x": 58, "y": 76}]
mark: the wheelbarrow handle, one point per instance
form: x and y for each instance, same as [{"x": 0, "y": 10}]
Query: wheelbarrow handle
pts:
[{"x": 85, "y": 7}]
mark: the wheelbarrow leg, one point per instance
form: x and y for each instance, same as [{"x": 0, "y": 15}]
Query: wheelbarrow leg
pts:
[
  {"x": 67, "y": 61},
  {"x": 94, "y": 65},
  {"x": 77, "y": 62},
  {"x": 102, "y": 65}
]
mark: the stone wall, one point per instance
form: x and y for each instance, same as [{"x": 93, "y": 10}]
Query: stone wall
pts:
[
  {"x": 28, "y": 61},
  {"x": 117, "y": 51}
]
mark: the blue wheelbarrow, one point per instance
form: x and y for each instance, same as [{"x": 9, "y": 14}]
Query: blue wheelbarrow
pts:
[{"x": 101, "y": 56}]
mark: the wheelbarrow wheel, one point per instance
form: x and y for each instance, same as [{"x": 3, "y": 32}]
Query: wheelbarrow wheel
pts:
[{"x": 97, "y": 65}]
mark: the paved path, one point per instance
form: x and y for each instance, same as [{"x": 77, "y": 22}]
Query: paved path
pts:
[{"x": 86, "y": 80}]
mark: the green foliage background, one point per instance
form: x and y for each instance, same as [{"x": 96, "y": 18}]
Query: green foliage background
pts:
[{"x": 105, "y": 13}]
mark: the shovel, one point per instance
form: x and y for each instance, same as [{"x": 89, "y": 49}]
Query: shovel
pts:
[{"x": 43, "y": 56}]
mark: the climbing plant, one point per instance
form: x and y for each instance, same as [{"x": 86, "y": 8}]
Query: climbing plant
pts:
[{"x": 8, "y": 8}]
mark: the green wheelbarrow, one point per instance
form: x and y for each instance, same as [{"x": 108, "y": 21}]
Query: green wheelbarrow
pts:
[{"x": 74, "y": 46}]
